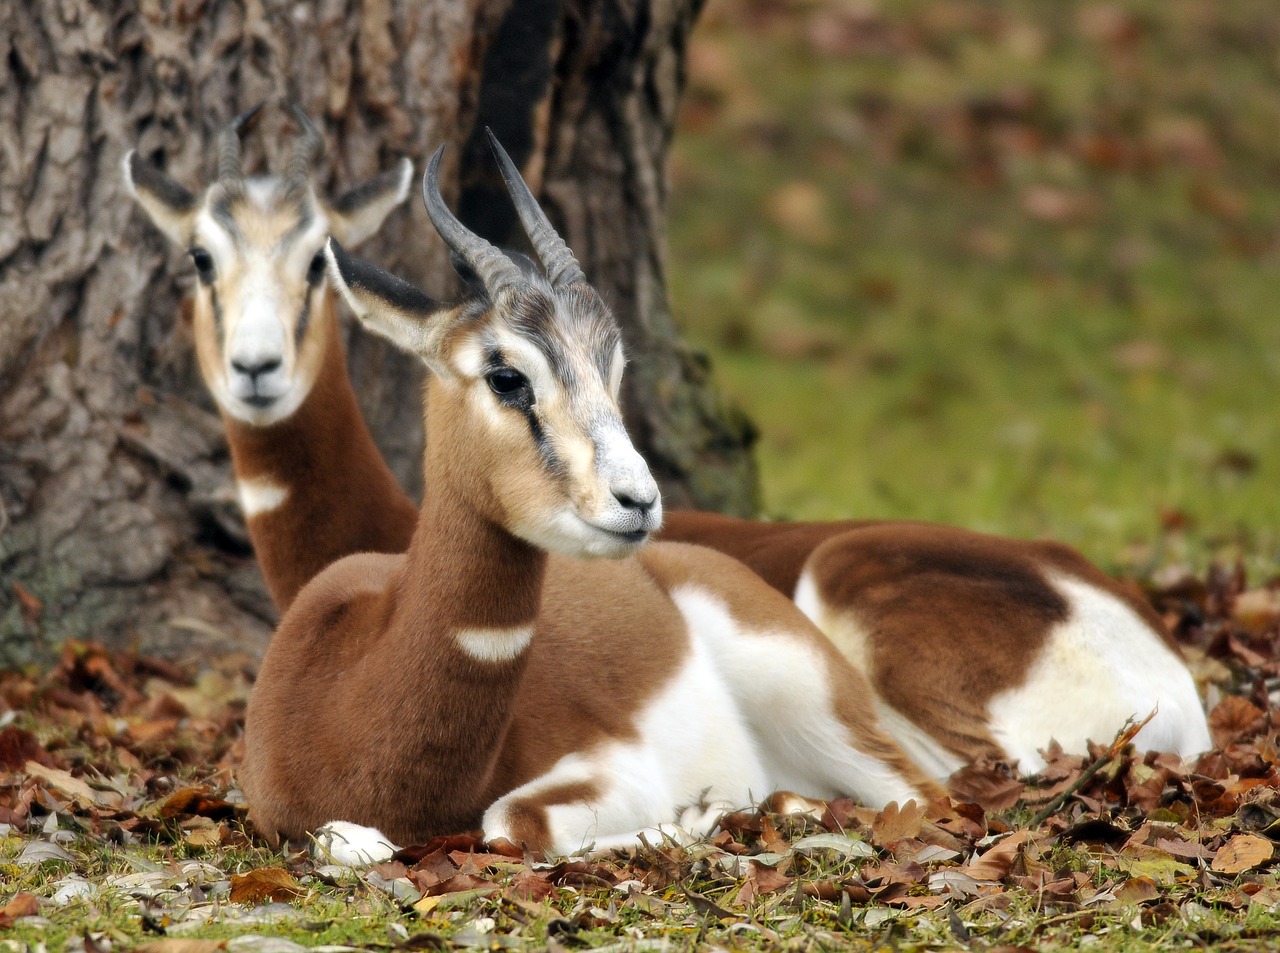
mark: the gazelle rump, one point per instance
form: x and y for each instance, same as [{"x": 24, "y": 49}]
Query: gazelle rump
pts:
[
  {"x": 975, "y": 644},
  {"x": 270, "y": 350},
  {"x": 495, "y": 674}
]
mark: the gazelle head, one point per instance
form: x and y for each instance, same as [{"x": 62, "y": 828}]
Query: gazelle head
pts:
[
  {"x": 524, "y": 405},
  {"x": 257, "y": 246}
]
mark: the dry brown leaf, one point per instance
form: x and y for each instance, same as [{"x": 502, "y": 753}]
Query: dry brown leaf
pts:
[
  {"x": 991, "y": 785},
  {"x": 895, "y": 823},
  {"x": 461, "y": 882},
  {"x": 63, "y": 782},
  {"x": 1138, "y": 890},
  {"x": 761, "y": 879},
  {"x": 196, "y": 800},
  {"x": 266, "y": 883},
  {"x": 181, "y": 945},
  {"x": 1233, "y": 717},
  {"x": 530, "y": 885},
  {"x": 18, "y": 746},
  {"x": 1242, "y": 852},
  {"x": 22, "y": 905},
  {"x": 996, "y": 863}
]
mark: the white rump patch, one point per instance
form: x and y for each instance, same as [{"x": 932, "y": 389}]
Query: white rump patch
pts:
[
  {"x": 1100, "y": 667},
  {"x": 495, "y": 645},
  {"x": 351, "y": 845},
  {"x": 260, "y": 496}
]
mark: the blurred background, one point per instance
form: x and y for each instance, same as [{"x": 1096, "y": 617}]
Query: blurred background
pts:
[{"x": 1007, "y": 265}]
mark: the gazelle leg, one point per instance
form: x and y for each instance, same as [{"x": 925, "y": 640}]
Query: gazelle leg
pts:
[{"x": 604, "y": 799}]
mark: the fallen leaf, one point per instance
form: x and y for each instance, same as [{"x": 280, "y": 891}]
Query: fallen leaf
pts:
[
  {"x": 996, "y": 863},
  {"x": 22, "y": 905},
  {"x": 39, "y": 851},
  {"x": 1233, "y": 717},
  {"x": 196, "y": 800},
  {"x": 265, "y": 883},
  {"x": 992, "y": 785},
  {"x": 18, "y": 746},
  {"x": 63, "y": 782},
  {"x": 760, "y": 880},
  {"x": 1242, "y": 852},
  {"x": 1137, "y": 890},
  {"x": 895, "y": 823},
  {"x": 848, "y": 846},
  {"x": 181, "y": 945}
]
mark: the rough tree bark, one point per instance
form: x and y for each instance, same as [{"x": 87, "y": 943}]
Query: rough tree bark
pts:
[{"x": 116, "y": 519}]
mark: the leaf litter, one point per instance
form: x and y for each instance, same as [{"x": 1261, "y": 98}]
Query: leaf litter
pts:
[{"x": 122, "y": 825}]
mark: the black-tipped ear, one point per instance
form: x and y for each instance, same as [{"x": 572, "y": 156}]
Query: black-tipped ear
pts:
[
  {"x": 170, "y": 206},
  {"x": 360, "y": 212},
  {"x": 377, "y": 286},
  {"x": 386, "y": 304}
]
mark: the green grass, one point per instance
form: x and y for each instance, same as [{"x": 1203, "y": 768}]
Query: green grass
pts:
[{"x": 1005, "y": 265}]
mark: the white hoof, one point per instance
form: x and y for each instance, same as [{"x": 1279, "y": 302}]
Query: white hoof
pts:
[{"x": 350, "y": 845}]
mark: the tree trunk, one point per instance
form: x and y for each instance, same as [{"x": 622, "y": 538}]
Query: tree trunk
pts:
[{"x": 116, "y": 514}]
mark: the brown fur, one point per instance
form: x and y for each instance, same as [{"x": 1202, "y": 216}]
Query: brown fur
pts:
[
  {"x": 368, "y": 710},
  {"x": 939, "y": 605}
]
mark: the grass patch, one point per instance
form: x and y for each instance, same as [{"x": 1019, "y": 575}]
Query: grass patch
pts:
[{"x": 994, "y": 264}]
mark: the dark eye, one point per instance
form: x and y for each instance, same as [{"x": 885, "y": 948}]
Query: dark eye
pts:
[
  {"x": 507, "y": 383},
  {"x": 204, "y": 265},
  {"x": 315, "y": 271}
]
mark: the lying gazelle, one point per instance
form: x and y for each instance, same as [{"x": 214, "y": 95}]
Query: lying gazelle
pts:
[
  {"x": 974, "y": 645},
  {"x": 270, "y": 351},
  {"x": 496, "y": 675}
]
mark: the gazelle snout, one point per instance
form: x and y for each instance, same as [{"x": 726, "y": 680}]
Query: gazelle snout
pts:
[
  {"x": 256, "y": 356},
  {"x": 632, "y": 490},
  {"x": 631, "y": 504}
]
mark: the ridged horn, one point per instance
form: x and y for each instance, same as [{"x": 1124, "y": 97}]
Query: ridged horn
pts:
[
  {"x": 229, "y": 172},
  {"x": 306, "y": 151},
  {"x": 561, "y": 266},
  {"x": 494, "y": 269}
]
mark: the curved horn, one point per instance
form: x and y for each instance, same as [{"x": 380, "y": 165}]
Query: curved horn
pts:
[
  {"x": 562, "y": 268},
  {"x": 229, "y": 172},
  {"x": 494, "y": 269},
  {"x": 306, "y": 151}
]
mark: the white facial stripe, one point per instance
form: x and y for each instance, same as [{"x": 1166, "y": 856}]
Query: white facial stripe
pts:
[
  {"x": 260, "y": 496},
  {"x": 468, "y": 356},
  {"x": 530, "y": 362},
  {"x": 214, "y": 239},
  {"x": 495, "y": 645},
  {"x": 303, "y": 247}
]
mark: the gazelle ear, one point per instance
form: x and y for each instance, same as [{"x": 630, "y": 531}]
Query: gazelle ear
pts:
[
  {"x": 388, "y": 305},
  {"x": 171, "y": 208},
  {"x": 359, "y": 213}
]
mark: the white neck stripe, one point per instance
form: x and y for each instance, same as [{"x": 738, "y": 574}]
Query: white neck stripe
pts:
[
  {"x": 260, "y": 496},
  {"x": 495, "y": 645}
]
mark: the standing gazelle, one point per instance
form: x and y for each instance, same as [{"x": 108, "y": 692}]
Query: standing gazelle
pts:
[
  {"x": 270, "y": 350},
  {"x": 493, "y": 673}
]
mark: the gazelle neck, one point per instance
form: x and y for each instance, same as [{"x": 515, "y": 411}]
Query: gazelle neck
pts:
[
  {"x": 465, "y": 569},
  {"x": 314, "y": 486},
  {"x": 471, "y": 576}
]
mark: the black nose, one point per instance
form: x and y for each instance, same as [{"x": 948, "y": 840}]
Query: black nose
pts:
[
  {"x": 254, "y": 371},
  {"x": 626, "y": 501}
]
